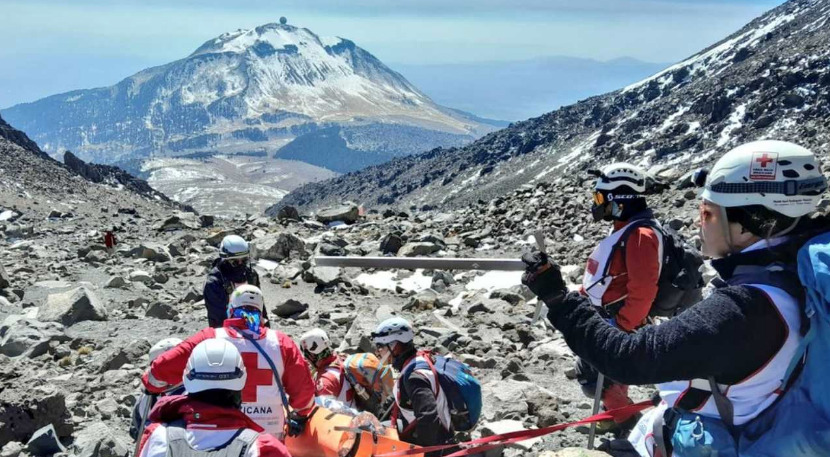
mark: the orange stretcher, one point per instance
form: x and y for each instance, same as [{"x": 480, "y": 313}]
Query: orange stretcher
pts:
[{"x": 330, "y": 434}]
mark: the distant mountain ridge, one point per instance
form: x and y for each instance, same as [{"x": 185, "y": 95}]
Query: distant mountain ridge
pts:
[
  {"x": 242, "y": 92},
  {"x": 771, "y": 79},
  {"x": 515, "y": 90}
]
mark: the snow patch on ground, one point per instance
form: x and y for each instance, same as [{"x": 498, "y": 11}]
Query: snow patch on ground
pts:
[
  {"x": 386, "y": 280},
  {"x": 493, "y": 280}
]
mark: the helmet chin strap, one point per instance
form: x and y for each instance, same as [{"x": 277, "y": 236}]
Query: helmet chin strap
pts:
[
  {"x": 727, "y": 233},
  {"x": 788, "y": 229}
]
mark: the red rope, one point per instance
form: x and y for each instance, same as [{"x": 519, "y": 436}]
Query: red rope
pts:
[{"x": 496, "y": 441}]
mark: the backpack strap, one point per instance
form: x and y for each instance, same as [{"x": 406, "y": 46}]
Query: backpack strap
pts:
[
  {"x": 428, "y": 357},
  {"x": 273, "y": 370},
  {"x": 236, "y": 446},
  {"x": 723, "y": 404}
]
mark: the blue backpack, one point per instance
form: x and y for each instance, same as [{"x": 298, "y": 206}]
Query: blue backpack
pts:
[
  {"x": 799, "y": 423},
  {"x": 461, "y": 388}
]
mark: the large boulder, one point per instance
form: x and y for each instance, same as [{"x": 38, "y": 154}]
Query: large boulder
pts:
[
  {"x": 179, "y": 222},
  {"x": 20, "y": 336},
  {"x": 290, "y": 308},
  {"x": 76, "y": 305},
  {"x": 161, "y": 310},
  {"x": 348, "y": 213},
  {"x": 4, "y": 278},
  {"x": 25, "y": 409},
  {"x": 391, "y": 243},
  {"x": 288, "y": 213},
  {"x": 418, "y": 249},
  {"x": 283, "y": 246},
  {"x": 150, "y": 251},
  {"x": 324, "y": 276},
  {"x": 45, "y": 442},
  {"x": 99, "y": 440}
]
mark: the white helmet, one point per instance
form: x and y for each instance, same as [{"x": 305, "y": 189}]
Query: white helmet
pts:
[
  {"x": 315, "y": 341},
  {"x": 622, "y": 174},
  {"x": 214, "y": 364},
  {"x": 247, "y": 295},
  {"x": 781, "y": 176},
  {"x": 391, "y": 330},
  {"x": 234, "y": 247},
  {"x": 163, "y": 346}
]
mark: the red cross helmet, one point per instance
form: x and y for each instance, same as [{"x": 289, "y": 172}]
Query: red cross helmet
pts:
[{"x": 781, "y": 176}]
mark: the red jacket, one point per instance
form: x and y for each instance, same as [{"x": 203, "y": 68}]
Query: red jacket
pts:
[
  {"x": 208, "y": 427},
  {"x": 641, "y": 262},
  {"x": 168, "y": 368},
  {"x": 330, "y": 380},
  {"x": 109, "y": 240}
]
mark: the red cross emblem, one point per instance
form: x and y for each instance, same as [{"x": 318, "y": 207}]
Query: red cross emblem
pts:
[
  {"x": 764, "y": 160},
  {"x": 764, "y": 166},
  {"x": 256, "y": 377}
]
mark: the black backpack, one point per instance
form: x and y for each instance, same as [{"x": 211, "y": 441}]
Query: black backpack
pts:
[{"x": 680, "y": 283}]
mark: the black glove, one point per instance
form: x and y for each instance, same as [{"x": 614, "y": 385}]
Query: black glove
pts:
[
  {"x": 544, "y": 278},
  {"x": 296, "y": 423}
]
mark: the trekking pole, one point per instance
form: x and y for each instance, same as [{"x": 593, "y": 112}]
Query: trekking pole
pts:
[
  {"x": 540, "y": 244},
  {"x": 597, "y": 401},
  {"x": 146, "y": 410}
]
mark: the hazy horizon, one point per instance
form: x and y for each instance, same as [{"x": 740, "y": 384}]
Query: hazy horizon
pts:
[{"x": 55, "y": 47}]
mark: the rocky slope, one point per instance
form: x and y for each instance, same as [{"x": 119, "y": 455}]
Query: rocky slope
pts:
[
  {"x": 771, "y": 79},
  {"x": 76, "y": 323},
  {"x": 250, "y": 91}
]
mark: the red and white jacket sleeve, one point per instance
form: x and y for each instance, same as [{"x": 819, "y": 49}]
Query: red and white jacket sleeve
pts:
[
  {"x": 154, "y": 442},
  {"x": 642, "y": 262},
  {"x": 168, "y": 368},
  {"x": 296, "y": 376}
]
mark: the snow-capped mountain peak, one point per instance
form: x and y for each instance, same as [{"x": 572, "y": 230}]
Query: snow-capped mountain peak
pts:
[{"x": 247, "y": 91}]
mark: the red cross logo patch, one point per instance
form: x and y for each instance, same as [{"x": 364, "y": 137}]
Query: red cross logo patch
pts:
[
  {"x": 592, "y": 266},
  {"x": 256, "y": 377},
  {"x": 763, "y": 166}
]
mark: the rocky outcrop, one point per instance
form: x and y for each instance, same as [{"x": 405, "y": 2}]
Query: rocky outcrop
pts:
[{"x": 114, "y": 176}]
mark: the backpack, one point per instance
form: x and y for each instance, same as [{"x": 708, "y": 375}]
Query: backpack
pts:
[
  {"x": 680, "y": 283},
  {"x": 376, "y": 379},
  {"x": 798, "y": 424},
  {"x": 462, "y": 389}
]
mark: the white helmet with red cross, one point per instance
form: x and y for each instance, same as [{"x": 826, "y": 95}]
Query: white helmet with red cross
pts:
[{"x": 781, "y": 176}]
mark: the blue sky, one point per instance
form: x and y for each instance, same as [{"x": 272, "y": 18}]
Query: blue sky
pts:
[{"x": 52, "y": 46}]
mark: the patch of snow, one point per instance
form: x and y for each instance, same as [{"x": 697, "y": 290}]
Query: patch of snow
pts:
[
  {"x": 735, "y": 122},
  {"x": 385, "y": 280},
  {"x": 493, "y": 280},
  {"x": 267, "y": 265}
]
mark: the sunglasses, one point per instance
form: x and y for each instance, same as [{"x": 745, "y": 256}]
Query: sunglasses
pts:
[{"x": 238, "y": 262}]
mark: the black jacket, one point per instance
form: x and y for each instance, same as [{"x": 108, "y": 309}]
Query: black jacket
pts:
[
  {"x": 218, "y": 288},
  {"x": 417, "y": 394},
  {"x": 728, "y": 335}
]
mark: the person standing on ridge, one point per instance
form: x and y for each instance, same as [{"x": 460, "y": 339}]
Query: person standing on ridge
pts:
[
  {"x": 625, "y": 299},
  {"x": 231, "y": 270},
  {"x": 207, "y": 420},
  {"x": 278, "y": 376},
  {"x": 110, "y": 241}
]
